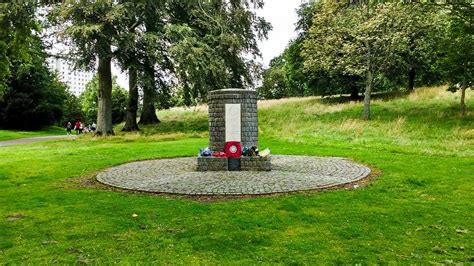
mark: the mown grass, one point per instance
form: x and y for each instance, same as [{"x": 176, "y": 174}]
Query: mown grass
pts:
[
  {"x": 17, "y": 134},
  {"x": 419, "y": 210}
]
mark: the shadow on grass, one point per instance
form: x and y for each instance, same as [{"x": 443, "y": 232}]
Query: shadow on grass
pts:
[
  {"x": 440, "y": 113},
  {"x": 383, "y": 96},
  {"x": 169, "y": 126},
  {"x": 198, "y": 124}
]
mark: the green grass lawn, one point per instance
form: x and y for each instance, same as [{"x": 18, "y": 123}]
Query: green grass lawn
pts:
[
  {"x": 16, "y": 134},
  {"x": 419, "y": 210}
]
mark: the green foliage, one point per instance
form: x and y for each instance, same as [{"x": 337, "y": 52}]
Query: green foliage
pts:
[
  {"x": 285, "y": 76},
  {"x": 295, "y": 79},
  {"x": 33, "y": 97},
  {"x": 72, "y": 109},
  {"x": 274, "y": 81},
  {"x": 89, "y": 104},
  {"x": 420, "y": 27},
  {"x": 351, "y": 39},
  {"x": 183, "y": 49},
  {"x": 32, "y": 100},
  {"x": 327, "y": 57},
  {"x": 458, "y": 47},
  {"x": 89, "y": 28},
  {"x": 17, "y": 31},
  {"x": 119, "y": 104}
]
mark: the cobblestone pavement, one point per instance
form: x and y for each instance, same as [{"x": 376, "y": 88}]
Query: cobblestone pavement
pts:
[{"x": 179, "y": 176}]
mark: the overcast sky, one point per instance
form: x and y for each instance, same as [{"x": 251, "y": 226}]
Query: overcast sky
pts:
[{"x": 280, "y": 13}]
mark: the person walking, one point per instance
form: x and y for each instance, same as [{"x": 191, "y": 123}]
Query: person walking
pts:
[
  {"x": 69, "y": 128},
  {"x": 77, "y": 127}
]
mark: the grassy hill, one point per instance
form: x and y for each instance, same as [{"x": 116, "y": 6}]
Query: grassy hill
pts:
[
  {"x": 417, "y": 211},
  {"x": 427, "y": 121}
]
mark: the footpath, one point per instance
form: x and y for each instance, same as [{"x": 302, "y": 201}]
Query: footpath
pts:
[{"x": 30, "y": 140}]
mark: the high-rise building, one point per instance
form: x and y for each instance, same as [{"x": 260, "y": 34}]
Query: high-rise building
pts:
[{"x": 76, "y": 80}]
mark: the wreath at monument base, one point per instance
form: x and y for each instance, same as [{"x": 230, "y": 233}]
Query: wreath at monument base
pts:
[{"x": 234, "y": 158}]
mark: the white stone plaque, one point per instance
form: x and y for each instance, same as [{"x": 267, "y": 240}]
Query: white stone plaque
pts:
[{"x": 232, "y": 122}]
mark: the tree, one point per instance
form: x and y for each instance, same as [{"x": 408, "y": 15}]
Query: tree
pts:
[
  {"x": 92, "y": 28},
  {"x": 119, "y": 104},
  {"x": 459, "y": 49},
  {"x": 419, "y": 27},
  {"x": 17, "y": 27},
  {"x": 354, "y": 39},
  {"x": 297, "y": 80},
  {"x": 34, "y": 97},
  {"x": 89, "y": 101},
  {"x": 205, "y": 43},
  {"x": 274, "y": 80},
  {"x": 30, "y": 94},
  {"x": 132, "y": 104},
  {"x": 289, "y": 77},
  {"x": 200, "y": 45},
  {"x": 129, "y": 56},
  {"x": 192, "y": 47},
  {"x": 72, "y": 109},
  {"x": 153, "y": 58}
]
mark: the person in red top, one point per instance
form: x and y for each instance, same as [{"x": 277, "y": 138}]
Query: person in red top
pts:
[{"x": 77, "y": 127}]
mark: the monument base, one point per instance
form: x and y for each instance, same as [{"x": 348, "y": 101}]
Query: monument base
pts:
[{"x": 222, "y": 164}]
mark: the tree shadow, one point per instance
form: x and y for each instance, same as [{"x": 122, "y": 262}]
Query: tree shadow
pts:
[
  {"x": 170, "y": 126},
  {"x": 384, "y": 96}
]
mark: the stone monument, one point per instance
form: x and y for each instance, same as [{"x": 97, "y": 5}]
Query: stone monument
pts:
[{"x": 233, "y": 117}]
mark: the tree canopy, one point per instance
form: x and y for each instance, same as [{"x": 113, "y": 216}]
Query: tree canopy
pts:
[
  {"x": 458, "y": 46},
  {"x": 89, "y": 98},
  {"x": 30, "y": 94},
  {"x": 343, "y": 47},
  {"x": 178, "y": 48}
]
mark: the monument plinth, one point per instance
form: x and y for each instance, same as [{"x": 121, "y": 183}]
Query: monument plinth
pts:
[
  {"x": 233, "y": 117},
  {"x": 232, "y": 113}
]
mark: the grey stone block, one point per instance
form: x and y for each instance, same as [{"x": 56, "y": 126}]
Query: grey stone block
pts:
[
  {"x": 249, "y": 120},
  {"x": 246, "y": 164}
]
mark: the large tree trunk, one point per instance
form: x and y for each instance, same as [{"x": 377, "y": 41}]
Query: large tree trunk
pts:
[
  {"x": 463, "y": 104},
  {"x": 148, "y": 115},
  {"x": 411, "y": 79},
  {"x": 104, "y": 112},
  {"x": 131, "y": 120},
  {"x": 463, "y": 93},
  {"x": 369, "y": 82},
  {"x": 368, "y": 91}
]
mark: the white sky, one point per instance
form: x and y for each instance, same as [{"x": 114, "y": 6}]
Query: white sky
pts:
[{"x": 280, "y": 13}]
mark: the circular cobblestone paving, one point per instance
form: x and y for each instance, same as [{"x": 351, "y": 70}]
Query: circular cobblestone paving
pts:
[{"x": 179, "y": 176}]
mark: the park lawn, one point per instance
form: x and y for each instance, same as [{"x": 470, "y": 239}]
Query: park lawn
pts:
[
  {"x": 419, "y": 210},
  {"x": 17, "y": 134}
]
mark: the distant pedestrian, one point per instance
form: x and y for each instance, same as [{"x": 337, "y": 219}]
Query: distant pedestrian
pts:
[
  {"x": 93, "y": 127},
  {"x": 78, "y": 127},
  {"x": 81, "y": 127},
  {"x": 69, "y": 128}
]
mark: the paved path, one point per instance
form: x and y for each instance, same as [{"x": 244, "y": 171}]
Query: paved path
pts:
[
  {"x": 179, "y": 176},
  {"x": 29, "y": 140}
]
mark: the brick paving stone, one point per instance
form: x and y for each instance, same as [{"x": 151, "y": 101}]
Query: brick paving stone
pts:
[{"x": 180, "y": 176}]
